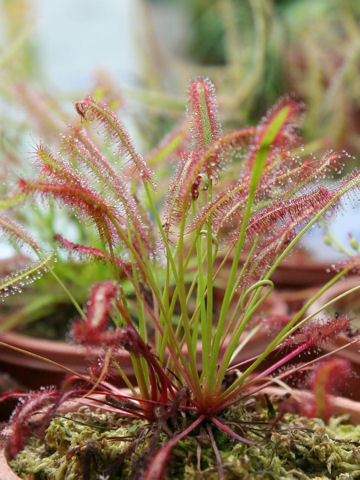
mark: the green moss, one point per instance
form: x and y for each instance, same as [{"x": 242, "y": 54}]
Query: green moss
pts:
[
  {"x": 73, "y": 443},
  {"x": 295, "y": 448}
]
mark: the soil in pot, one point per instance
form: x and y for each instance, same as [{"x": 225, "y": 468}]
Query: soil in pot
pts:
[{"x": 91, "y": 445}]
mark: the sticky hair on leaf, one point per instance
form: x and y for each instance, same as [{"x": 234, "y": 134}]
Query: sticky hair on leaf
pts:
[
  {"x": 83, "y": 199},
  {"x": 223, "y": 206},
  {"x": 56, "y": 169},
  {"x": 317, "y": 331},
  {"x": 21, "y": 420},
  {"x": 286, "y": 137},
  {"x": 209, "y": 164},
  {"x": 90, "y": 110},
  {"x": 84, "y": 151},
  {"x": 295, "y": 210},
  {"x": 352, "y": 264},
  {"x": 304, "y": 339},
  {"x": 214, "y": 159},
  {"x": 91, "y": 252},
  {"x": 202, "y": 113},
  {"x": 14, "y": 282},
  {"x": 81, "y": 249},
  {"x": 17, "y": 233},
  {"x": 180, "y": 189}
]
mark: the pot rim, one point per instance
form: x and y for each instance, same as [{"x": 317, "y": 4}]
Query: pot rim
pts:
[{"x": 75, "y": 357}]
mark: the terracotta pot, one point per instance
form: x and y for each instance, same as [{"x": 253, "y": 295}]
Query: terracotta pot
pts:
[
  {"x": 298, "y": 270},
  {"x": 301, "y": 271},
  {"x": 340, "y": 406},
  {"x": 5, "y": 471},
  {"x": 34, "y": 372}
]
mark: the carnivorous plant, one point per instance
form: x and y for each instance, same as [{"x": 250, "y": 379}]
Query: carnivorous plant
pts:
[{"x": 237, "y": 202}]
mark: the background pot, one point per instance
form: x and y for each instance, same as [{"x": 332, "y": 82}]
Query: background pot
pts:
[
  {"x": 339, "y": 405},
  {"x": 298, "y": 270},
  {"x": 34, "y": 372},
  {"x": 5, "y": 471}
]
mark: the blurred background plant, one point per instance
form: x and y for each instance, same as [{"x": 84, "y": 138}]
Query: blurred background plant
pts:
[
  {"x": 257, "y": 50},
  {"x": 27, "y": 115}
]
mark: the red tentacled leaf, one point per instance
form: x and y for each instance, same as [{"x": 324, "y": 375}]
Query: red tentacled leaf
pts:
[
  {"x": 286, "y": 137},
  {"x": 20, "y": 419},
  {"x": 80, "y": 147},
  {"x": 16, "y": 232},
  {"x": 328, "y": 376},
  {"x": 82, "y": 199},
  {"x": 89, "y": 331},
  {"x": 202, "y": 111},
  {"x": 180, "y": 190},
  {"x": 91, "y": 110}
]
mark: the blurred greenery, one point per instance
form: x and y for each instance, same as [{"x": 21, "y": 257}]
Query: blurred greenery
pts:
[{"x": 257, "y": 50}]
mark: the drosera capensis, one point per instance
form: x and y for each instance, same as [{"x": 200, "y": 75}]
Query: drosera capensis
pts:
[{"x": 165, "y": 255}]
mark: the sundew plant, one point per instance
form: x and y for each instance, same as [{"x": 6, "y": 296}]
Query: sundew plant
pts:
[{"x": 236, "y": 203}]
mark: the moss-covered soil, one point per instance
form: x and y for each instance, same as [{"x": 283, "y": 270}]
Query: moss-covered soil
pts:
[{"x": 92, "y": 445}]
